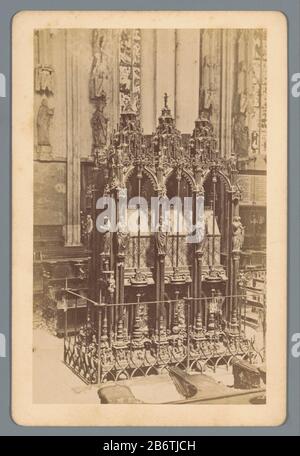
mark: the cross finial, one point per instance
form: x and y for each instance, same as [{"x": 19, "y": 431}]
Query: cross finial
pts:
[{"x": 166, "y": 99}]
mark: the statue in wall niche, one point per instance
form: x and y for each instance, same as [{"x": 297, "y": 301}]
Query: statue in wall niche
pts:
[
  {"x": 99, "y": 71},
  {"x": 241, "y": 135},
  {"x": 243, "y": 102},
  {"x": 97, "y": 86},
  {"x": 43, "y": 123},
  {"x": 206, "y": 103},
  {"x": 238, "y": 234},
  {"x": 207, "y": 87},
  {"x": 254, "y": 141},
  {"x": 99, "y": 123},
  {"x": 240, "y": 95}
]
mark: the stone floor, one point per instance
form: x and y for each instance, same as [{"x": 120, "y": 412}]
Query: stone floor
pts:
[{"x": 55, "y": 383}]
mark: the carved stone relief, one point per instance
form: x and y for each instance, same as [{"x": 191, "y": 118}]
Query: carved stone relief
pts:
[
  {"x": 100, "y": 65},
  {"x": 99, "y": 88},
  {"x": 209, "y": 99},
  {"x": 44, "y": 79},
  {"x": 99, "y": 123},
  {"x": 249, "y": 125},
  {"x": 44, "y": 88},
  {"x": 130, "y": 69}
]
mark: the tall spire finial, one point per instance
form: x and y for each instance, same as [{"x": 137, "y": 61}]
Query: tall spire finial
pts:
[{"x": 166, "y": 100}]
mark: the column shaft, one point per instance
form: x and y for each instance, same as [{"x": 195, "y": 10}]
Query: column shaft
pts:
[{"x": 72, "y": 140}]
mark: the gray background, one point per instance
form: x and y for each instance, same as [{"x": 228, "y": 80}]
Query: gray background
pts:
[{"x": 291, "y": 8}]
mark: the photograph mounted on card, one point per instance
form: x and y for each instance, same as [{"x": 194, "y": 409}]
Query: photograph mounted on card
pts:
[{"x": 149, "y": 218}]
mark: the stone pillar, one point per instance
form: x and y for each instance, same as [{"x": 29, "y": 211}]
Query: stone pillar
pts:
[
  {"x": 158, "y": 60},
  {"x": 119, "y": 276},
  {"x": 148, "y": 84},
  {"x": 121, "y": 280},
  {"x": 227, "y": 90},
  {"x": 195, "y": 265},
  {"x": 148, "y": 89},
  {"x": 160, "y": 285},
  {"x": 236, "y": 265},
  {"x": 187, "y": 79},
  {"x": 119, "y": 292},
  {"x": 44, "y": 48},
  {"x": 235, "y": 275},
  {"x": 113, "y": 83},
  {"x": 165, "y": 69},
  {"x": 72, "y": 141},
  {"x": 210, "y": 76},
  {"x": 211, "y": 324},
  {"x": 228, "y": 256},
  {"x": 199, "y": 281},
  {"x": 199, "y": 259}
]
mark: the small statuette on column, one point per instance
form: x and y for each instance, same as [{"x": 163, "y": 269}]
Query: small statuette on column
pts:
[
  {"x": 161, "y": 237},
  {"x": 122, "y": 236},
  {"x": 105, "y": 229},
  {"x": 111, "y": 285}
]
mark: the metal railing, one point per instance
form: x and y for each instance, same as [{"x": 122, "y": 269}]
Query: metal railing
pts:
[{"x": 122, "y": 341}]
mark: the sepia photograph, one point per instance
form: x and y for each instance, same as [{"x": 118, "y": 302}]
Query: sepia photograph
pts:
[{"x": 154, "y": 264}]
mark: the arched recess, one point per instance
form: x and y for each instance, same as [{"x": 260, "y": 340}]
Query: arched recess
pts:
[
  {"x": 145, "y": 191},
  {"x": 223, "y": 178},
  {"x": 145, "y": 171},
  {"x": 177, "y": 189},
  {"x": 223, "y": 191},
  {"x": 186, "y": 186},
  {"x": 140, "y": 190},
  {"x": 128, "y": 174},
  {"x": 178, "y": 218},
  {"x": 188, "y": 176},
  {"x": 152, "y": 177}
]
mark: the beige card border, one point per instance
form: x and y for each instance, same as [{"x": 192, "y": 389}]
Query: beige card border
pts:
[{"x": 24, "y": 412}]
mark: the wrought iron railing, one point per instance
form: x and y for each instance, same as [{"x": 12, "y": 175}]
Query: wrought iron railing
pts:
[{"x": 122, "y": 341}]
